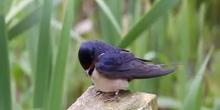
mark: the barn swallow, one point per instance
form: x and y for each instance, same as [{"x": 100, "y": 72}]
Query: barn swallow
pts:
[{"x": 111, "y": 68}]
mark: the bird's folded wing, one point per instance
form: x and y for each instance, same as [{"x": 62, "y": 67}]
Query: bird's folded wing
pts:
[{"x": 124, "y": 65}]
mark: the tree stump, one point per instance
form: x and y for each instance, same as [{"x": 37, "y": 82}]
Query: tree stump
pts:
[{"x": 126, "y": 100}]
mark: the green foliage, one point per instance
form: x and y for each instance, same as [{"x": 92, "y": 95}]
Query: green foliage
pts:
[
  {"x": 57, "y": 77},
  {"x": 5, "y": 91},
  {"x": 42, "y": 72},
  {"x": 194, "y": 97},
  {"x": 24, "y": 24},
  {"x": 148, "y": 18},
  {"x": 39, "y": 43},
  {"x": 110, "y": 20},
  {"x": 109, "y": 15}
]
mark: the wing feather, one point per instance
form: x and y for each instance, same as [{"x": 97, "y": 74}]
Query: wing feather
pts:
[{"x": 124, "y": 65}]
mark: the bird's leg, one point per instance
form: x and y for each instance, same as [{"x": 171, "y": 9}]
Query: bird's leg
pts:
[
  {"x": 113, "y": 97},
  {"x": 116, "y": 94}
]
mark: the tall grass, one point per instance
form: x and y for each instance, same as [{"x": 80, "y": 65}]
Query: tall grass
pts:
[
  {"x": 43, "y": 63},
  {"x": 5, "y": 91},
  {"x": 57, "y": 77},
  {"x": 39, "y": 42}
]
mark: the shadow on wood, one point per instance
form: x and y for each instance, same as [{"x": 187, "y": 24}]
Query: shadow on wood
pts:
[{"x": 126, "y": 100}]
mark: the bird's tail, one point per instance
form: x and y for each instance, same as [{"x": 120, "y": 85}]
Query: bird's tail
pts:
[{"x": 173, "y": 65}]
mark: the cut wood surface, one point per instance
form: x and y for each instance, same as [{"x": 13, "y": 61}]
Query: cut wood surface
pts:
[{"x": 91, "y": 100}]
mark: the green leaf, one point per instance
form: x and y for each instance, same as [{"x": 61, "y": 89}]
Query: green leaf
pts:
[
  {"x": 57, "y": 80},
  {"x": 58, "y": 26},
  {"x": 185, "y": 35},
  {"x": 110, "y": 16},
  {"x": 25, "y": 24},
  {"x": 7, "y": 4},
  {"x": 41, "y": 82},
  {"x": 29, "y": 21},
  {"x": 158, "y": 10},
  {"x": 191, "y": 101},
  {"x": 17, "y": 9},
  {"x": 217, "y": 104},
  {"x": 5, "y": 91},
  {"x": 109, "y": 32},
  {"x": 168, "y": 102}
]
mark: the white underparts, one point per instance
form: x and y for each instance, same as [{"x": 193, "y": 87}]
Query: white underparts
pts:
[{"x": 108, "y": 85}]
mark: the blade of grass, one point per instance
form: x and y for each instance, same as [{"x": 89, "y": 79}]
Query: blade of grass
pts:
[
  {"x": 108, "y": 30},
  {"x": 7, "y": 4},
  {"x": 168, "y": 102},
  {"x": 58, "y": 25},
  {"x": 31, "y": 44},
  {"x": 160, "y": 43},
  {"x": 16, "y": 9},
  {"x": 186, "y": 36},
  {"x": 217, "y": 104},
  {"x": 57, "y": 81},
  {"x": 32, "y": 40},
  {"x": 135, "y": 12},
  {"x": 110, "y": 16},
  {"x": 41, "y": 82},
  {"x": 201, "y": 33},
  {"x": 158, "y": 33},
  {"x": 191, "y": 102},
  {"x": 26, "y": 23},
  {"x": 5, "y": 91},
  {"x": 147, "y": 20}
]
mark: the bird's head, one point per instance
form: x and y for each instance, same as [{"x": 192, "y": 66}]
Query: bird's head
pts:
[
  {"x": 89, "y": 51},
  {"x": 87, "y": 54}
]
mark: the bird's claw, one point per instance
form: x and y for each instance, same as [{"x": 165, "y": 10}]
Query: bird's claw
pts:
[
  {"x": 98, "y": 92},
  {"x": 113, "y": 97}
]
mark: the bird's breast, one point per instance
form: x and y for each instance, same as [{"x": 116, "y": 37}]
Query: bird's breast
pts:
[{"x": 105, "y": 84}]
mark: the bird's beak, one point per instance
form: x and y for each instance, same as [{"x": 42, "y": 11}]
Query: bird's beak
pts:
[{"x": 90, "y": 69}]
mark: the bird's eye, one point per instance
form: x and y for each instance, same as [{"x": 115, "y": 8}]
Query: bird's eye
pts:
[{"x": 86, "y": 57}]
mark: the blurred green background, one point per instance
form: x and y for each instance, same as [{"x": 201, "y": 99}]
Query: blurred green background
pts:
[{"x": 39, "y": 41}]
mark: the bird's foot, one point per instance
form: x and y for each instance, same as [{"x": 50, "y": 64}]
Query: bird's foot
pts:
[
  {"x": 113, "y": 97},
  {"x": 98, "y": 92}
]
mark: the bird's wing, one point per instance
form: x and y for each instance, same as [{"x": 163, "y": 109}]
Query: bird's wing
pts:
[
  {"x": 124, "y": 65},
  {"x": 144, "y": 60}
]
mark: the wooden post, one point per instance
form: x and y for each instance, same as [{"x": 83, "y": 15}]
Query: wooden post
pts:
[{"x": 89, "y": 100}]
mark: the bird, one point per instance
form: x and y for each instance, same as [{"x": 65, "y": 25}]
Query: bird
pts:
[{"x": 112, "y": 68}]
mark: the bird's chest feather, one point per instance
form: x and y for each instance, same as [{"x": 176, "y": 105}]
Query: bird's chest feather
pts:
[{"x": 108, "y": 85}]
